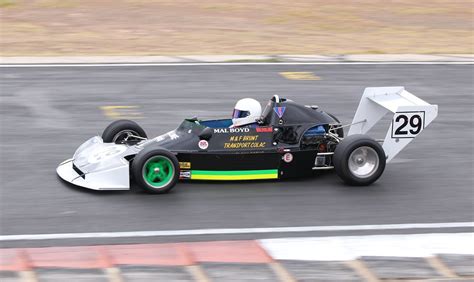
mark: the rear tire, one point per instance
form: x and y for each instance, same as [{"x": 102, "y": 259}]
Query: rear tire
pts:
[
  {"x": 155, "y": 170},
  {"x": 117, "y": 132},
  {"x": 359, "y": 160}
]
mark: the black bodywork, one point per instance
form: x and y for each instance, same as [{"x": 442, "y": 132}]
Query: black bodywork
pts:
[{"x": 285, "y": 143}]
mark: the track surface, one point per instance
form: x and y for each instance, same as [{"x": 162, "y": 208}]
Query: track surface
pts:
[{"x": 46, "y": 113}]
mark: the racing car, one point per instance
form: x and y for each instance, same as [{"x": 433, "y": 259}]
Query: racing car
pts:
[{"x": 286, "y": 140}]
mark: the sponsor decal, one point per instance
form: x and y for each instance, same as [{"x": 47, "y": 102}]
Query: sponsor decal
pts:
[
  {"x": 279, "y": 111},
  {"x": 184, "y": 165},
  {"x": 185, "y": 175},
  {"x": 243, "y": 137},
  {"x": 160, "y": 138},
  {"x": 106, "y": 153},
  {"x": 244, "y": 142},
  {"x": 264, "y": 129},
  {"x": 203, "y": 144},
  {"x": 173, "y": 135},
  {"x": 288, "y": 157},
  {"x": 232, "y": 130},
  {"x": 320, "y": 161}
]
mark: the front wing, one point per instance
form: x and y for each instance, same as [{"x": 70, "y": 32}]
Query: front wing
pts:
[{"x": 98, "y": 166}]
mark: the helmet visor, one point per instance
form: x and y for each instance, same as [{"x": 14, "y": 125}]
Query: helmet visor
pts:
[{"x": 240, "y": 114}]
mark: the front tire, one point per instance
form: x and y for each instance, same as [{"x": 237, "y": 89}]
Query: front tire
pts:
[
  {"x": 122, "y": 131},
  {"x": 359, "y": 160},
  {"x": 155, "y": 170}
]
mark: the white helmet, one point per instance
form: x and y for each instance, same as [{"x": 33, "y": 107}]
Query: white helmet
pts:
[{"x": 246, "y": 111}]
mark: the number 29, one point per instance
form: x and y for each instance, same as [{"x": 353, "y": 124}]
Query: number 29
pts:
[{"x": 407, "y": 124}]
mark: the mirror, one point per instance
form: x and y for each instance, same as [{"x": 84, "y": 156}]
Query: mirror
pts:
[{"x": 206, "y": 134}]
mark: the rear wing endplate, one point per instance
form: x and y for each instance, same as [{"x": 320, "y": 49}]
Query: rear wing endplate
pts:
[{"x": 411, "y": 115}]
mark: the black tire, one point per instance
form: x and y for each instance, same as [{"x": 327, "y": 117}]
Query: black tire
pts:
[
  {"x": 140, "y": 166},
  {"x": 339, "y": 131},
  {"x": 117, "y": 131},
  {"x": 351, "y": 168}
]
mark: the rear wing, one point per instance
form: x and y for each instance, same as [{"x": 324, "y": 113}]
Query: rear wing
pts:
[{"x": 411, "y": 116}]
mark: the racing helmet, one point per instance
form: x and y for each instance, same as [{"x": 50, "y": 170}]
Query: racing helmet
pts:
[{"x": 246, "y": 111}]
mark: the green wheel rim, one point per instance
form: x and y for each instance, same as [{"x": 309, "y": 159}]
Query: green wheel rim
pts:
[{"x": 158, "y": 171}]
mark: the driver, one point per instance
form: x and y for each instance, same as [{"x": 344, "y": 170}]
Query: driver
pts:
[{"x": 246, "y": 113}]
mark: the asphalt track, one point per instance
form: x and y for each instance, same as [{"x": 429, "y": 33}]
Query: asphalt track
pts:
[{"x": 46, "y": 113}]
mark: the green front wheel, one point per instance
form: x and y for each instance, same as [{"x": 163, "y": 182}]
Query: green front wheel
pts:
[{"x": 156, "y": 170}]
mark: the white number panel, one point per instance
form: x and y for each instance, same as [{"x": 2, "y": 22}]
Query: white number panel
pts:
[{"x": 408, "y": 124}]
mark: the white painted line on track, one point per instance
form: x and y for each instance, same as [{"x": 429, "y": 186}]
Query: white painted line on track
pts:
[
  {"x": 228, "y": 231},
  {"x": 225, "y": 64},
  {"x": 352, "y": 247}
]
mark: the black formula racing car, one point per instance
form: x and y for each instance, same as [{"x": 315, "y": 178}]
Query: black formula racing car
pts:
[{"x": 290, "y": 140}]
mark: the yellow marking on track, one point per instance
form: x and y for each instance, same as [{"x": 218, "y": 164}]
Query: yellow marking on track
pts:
[
  {"x": 121, "y": 112},
  {"x": 300, "y": 75},
  {"x": 360, "y": 268},
  {"x": 441, "y": 267},
  {"x": 197, "y": 273},
  {"x": 282, "y": 273}
]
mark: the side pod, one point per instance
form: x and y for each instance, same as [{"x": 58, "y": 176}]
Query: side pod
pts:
[{"x": 411, "y": 115}]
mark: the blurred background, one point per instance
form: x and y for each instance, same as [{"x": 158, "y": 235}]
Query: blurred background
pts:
[
  {"x": 414, "y": 223},
  {"x": 165, "y": 27}
]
